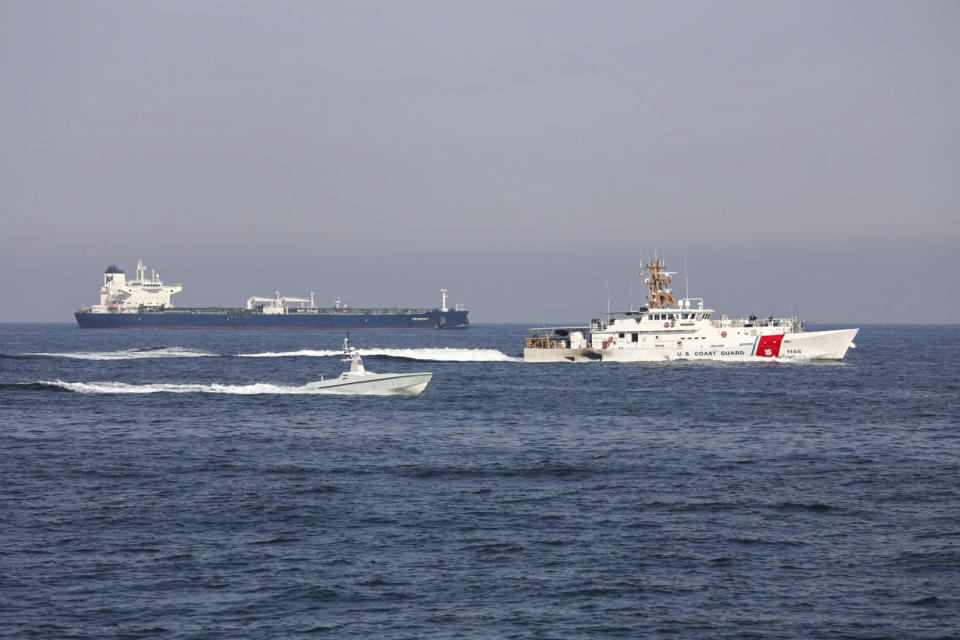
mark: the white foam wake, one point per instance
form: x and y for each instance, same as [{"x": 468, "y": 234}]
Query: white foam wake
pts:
[
  {"x": 260, "y": 388},
  {"x": 131, "y": 354},
  {"x": 314, "y": 353},
  {"x": 445, "y": 354}
]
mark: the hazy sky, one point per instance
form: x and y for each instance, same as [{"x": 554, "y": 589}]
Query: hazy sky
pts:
[{"x": 800, "y": 157}]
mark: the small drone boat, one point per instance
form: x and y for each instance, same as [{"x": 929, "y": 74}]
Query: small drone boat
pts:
[{"x": 362, "y": 382}]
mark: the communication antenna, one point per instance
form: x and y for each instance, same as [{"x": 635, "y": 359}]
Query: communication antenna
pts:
[
  {"x": 608, "y": 295},
  {"x": 686, "y": 278},
  {"x": 639, "y": 273}
]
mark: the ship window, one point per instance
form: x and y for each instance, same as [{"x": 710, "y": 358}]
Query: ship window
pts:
[
  {"x": 635, "y": 337},
  {"x": 619, "y": 335}
]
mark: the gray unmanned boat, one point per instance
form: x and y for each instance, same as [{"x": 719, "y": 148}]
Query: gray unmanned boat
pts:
[{"x": 362, "y": 382}]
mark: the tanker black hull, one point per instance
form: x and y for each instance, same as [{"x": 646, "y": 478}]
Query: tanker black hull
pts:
[{"x": 293, "y": 319}]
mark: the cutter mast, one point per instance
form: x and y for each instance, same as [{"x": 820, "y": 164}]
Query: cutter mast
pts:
[{"x": 658, "y": 280}]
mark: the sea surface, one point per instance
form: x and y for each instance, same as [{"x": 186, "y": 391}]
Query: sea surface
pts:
[{"x": 184, "y": 484}]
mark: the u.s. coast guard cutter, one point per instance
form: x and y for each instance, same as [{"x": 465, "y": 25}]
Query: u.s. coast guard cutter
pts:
[{"x": 668, "y": 329}]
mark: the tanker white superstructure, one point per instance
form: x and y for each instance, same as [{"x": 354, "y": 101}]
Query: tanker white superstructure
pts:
[
  {"x": 117, "y": 294},
  {"x": 669, "y": 330}
]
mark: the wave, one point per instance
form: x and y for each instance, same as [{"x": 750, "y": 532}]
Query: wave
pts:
[
  {"x": 260, "y": 388},
  {"x": 445, "y": 354},
  {"x": 130, "y": 354}
]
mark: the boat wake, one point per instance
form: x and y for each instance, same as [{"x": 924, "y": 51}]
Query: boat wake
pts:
[
  {"x": 431, "y": 355},
  {"x": 260, "y": 388},
  {"x": 130, "y": 354}
]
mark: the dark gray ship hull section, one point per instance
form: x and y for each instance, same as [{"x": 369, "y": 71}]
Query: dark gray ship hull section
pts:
[{"x": 218, "y": 318}]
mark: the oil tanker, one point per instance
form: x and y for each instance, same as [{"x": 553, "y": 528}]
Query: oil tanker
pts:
[{"x": 144, "y": 303}]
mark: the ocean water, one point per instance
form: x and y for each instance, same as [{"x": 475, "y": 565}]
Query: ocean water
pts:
[{"x": 182, "y": 484}]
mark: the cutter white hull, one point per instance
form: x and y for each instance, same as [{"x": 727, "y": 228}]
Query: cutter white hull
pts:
[
  {"x": 561, "y": 355},
  {"x": 737, "y": 346}
]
